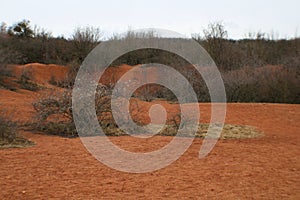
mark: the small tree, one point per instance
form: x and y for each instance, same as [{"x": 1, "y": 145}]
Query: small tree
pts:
[
  {"x": 215, "y": 36},
  {"x": 222, "y": 50},
  {"x": 84, "y": 40},
  {"x": 21, "y": 29}
]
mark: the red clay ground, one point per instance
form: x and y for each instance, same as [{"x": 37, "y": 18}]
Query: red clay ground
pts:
[
  {"x": 265, "y": 168},
  {"x": 60, "y": 168}
]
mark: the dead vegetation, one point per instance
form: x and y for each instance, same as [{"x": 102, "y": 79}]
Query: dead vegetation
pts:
[
  {"x": 229, "y": 131},
  {"x": 9, "y": 136}
]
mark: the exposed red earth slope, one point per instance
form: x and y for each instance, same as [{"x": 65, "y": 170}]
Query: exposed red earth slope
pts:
[{"x": 41, "y": 73}]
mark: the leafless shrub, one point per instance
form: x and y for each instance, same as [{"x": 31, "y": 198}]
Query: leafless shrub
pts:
[
  {"x": 8, "y": 131},
  {"x": 55, "y": 114},
  {"x": 263, "y": 84},
  {"x": 9, "y": 136},
  {"x": 26, "y": 83},
  {"x": 59, "y": 105}
]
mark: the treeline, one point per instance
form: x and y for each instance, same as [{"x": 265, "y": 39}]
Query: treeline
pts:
[
  {"x": 245, "y": 64},
  {"x": 21, "y": 44}
]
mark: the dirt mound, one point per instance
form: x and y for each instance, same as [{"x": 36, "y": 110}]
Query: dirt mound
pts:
[
  {"x": 42, "y": 74},
  {"x": 113, "y": 74}
]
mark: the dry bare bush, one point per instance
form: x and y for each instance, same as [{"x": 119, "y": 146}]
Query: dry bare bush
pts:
[
  {"x": 9, "y": 136},
  {"x": 263, "y": 84},
  {"x": 8, "y": 131},
  {"x": 59, "y": 105},
  {"x": 26, "y": 83},
  {"x": 55, "y": 115}
]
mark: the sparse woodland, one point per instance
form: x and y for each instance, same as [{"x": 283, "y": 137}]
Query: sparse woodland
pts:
[{"x": 259, "y": 68}]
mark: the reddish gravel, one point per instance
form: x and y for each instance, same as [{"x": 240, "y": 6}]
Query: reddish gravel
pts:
[{"x": 264, "y": 168}]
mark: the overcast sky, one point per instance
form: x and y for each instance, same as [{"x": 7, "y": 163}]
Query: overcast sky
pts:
[{"x": 183, "y": 16}]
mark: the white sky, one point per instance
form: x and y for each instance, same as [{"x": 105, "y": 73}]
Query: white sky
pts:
[{"x": 183, "y": 16}]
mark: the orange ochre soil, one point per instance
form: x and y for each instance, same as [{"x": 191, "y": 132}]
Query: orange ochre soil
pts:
[{"x": 61, "y": 168}]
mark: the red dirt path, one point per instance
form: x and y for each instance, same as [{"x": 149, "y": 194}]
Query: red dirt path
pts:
[{"x": 264, "y": 168}]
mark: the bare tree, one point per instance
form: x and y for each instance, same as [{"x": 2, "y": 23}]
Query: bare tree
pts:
[
  {"x": 85, "y": 39},
  {"x": 215, "y": 35}
]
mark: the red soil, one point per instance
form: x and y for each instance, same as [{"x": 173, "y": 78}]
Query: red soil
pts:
[
  {"x": 41, "y": 73},
  {"x": 18, "y": 104},
  {"x": 61, "y": 168},
  {"x": 112, "y": 74}
]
